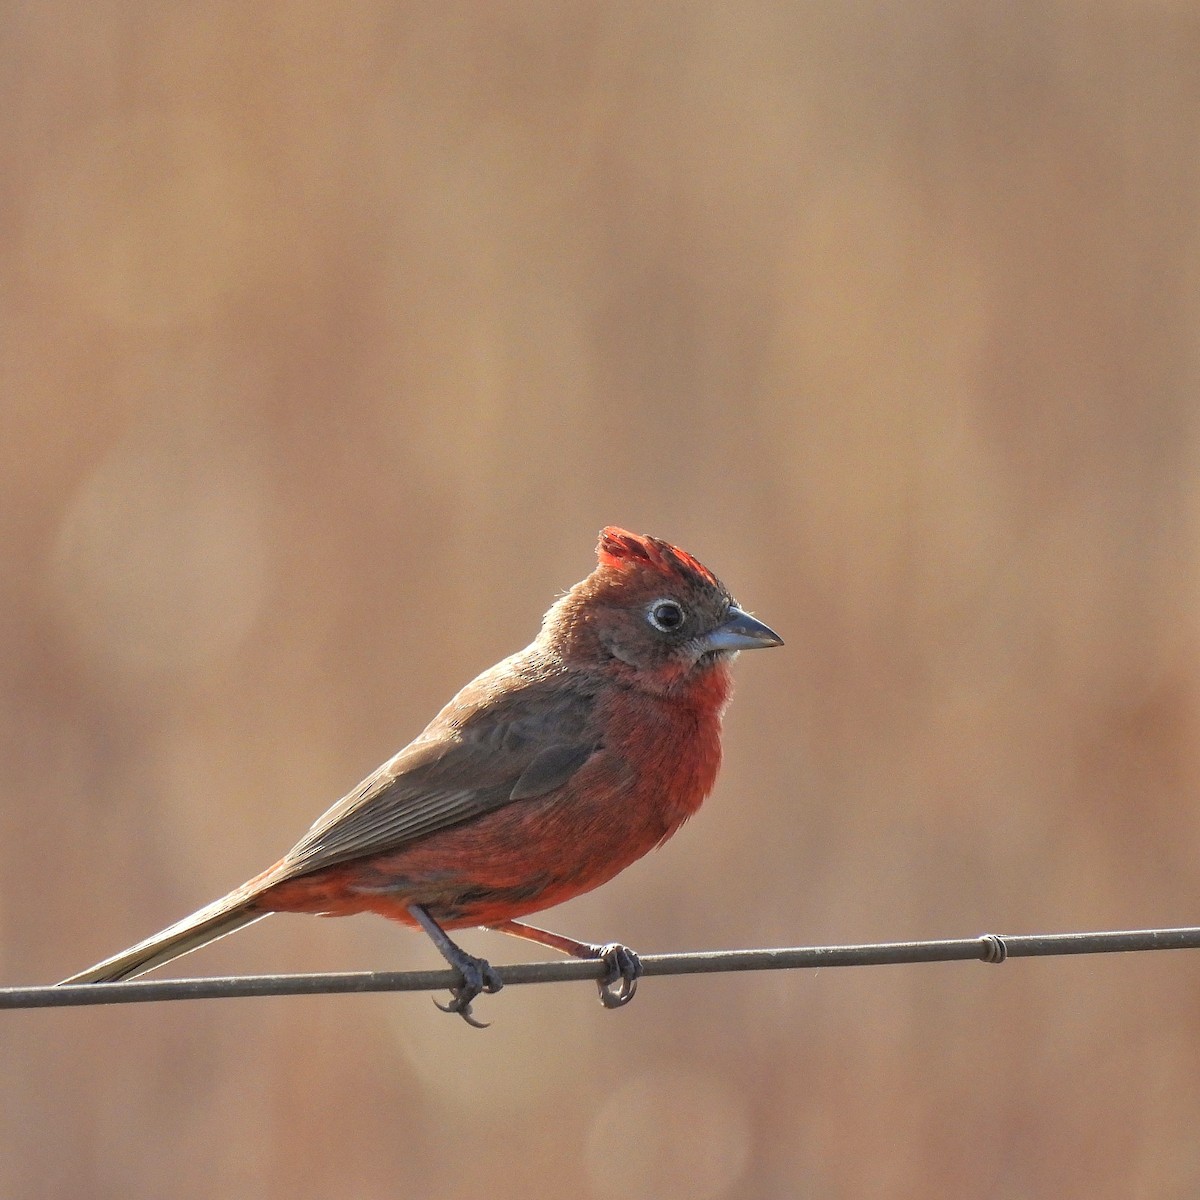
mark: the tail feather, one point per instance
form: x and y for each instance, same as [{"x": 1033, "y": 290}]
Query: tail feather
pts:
[{"x": 209, "y": 923}]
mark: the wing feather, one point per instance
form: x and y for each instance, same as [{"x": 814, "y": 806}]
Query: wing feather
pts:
[{"x": 486, "y": 749}]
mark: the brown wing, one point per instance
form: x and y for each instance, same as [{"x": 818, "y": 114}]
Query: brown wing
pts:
[{"x": 487, "y": 748}]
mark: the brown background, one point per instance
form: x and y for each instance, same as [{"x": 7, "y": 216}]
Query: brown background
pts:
[{"x": 331, "y": 334}]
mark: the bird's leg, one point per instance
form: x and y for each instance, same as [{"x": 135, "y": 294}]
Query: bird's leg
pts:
[
  {"x": 477, "y": 973},
  {"x": 619, "y": 982}
]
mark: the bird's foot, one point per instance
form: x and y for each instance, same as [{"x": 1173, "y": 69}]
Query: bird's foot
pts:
[
  {"x": 619, "y": 982},
  {"x": 478, "y": 976}
]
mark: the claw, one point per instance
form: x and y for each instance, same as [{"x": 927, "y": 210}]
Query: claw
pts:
[
  {"x": 464, "y": 1010},
  {"x": 624, "y": 970},
  {"x": 478, "y": 976}
]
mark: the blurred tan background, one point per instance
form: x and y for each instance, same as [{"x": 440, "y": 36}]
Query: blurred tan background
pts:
[{"x": 330, "y": 335}]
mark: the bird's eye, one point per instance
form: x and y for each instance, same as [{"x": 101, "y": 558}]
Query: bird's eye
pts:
[{"x": 665, "y": 615}]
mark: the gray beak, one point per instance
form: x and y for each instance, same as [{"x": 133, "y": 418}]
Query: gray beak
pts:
[{"x": 740, "y": 631}]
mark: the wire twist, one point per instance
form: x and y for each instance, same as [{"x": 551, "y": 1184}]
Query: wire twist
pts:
[{"x": 994, "y": 948}]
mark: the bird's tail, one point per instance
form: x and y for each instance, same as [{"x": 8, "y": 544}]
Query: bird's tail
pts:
[{"x": 211, "y": 922}]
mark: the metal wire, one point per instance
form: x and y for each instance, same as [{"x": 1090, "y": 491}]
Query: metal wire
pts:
[{"x": 988, "y": 947}]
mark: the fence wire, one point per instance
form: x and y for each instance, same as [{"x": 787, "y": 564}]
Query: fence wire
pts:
[{"x": 988, "y": 947}]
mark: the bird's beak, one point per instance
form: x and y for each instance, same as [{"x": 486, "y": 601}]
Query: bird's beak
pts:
[{"x": 740, "y": 631}]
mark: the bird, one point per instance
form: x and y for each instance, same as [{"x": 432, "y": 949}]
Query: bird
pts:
[{"x": 543, "y": 778}]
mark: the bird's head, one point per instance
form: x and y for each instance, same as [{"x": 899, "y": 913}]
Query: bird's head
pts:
[{"x": 651, "y": 611}]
